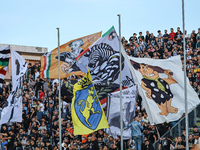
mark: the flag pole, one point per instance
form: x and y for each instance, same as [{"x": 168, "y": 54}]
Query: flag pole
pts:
[
  {"x": 185, "y": 84},
  {"x": 60, "y": 135},
  {"x": 120, "y": 66}
]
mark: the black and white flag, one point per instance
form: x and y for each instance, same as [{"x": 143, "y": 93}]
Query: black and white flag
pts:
[
  {"x": 12, "y": 111},
  {"x": 128, "y": 110}
]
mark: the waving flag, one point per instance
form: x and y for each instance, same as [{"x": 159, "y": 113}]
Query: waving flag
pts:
[
  {"x": 4, "y": 60},
  {"x": 102, "y": 59},
  {"x": 161, "y": 85},
  {"x": 12, "y": 111},
  {"x": 68, "y": 53},
  {"x": 87, "y": 113}
]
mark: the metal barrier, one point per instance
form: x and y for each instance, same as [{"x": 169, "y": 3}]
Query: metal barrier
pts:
[{"x": 176, "y": 130}]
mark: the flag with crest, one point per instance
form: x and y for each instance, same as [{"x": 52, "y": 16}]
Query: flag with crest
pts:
[{"x": 87, "y": 113}]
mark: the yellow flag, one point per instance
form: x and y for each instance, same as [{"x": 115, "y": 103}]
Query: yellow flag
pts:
[
  {"x": 68, "y": 54},
  {"x": 87, "y": 113}
]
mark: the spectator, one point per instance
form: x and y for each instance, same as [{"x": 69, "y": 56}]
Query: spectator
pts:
[
  {"x": 172, "y": 34},
  {"x": 196, "y": 139},
  {"x": 141, "y": 37},
  {"x": 160, "y": 36},
  {"x": 147, "y": 145},
  {"x": 147, "y": 37},
  {"x": 37, "y": 74},
  {"x": 166, "y": 144},
  {"x": 165, "y": 37},
  {"x": 179, "y": 143},
  {"x": 136, "y": 132}
]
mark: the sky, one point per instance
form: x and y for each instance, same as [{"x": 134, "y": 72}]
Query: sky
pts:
[{"x": 34, "y": 23}]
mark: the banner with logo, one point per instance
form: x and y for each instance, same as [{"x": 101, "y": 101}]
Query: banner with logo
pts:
[
  {"x": 129, "y": 96},
  {"x": 68, "y": 53},
  {"x": 87, "y": 113}
]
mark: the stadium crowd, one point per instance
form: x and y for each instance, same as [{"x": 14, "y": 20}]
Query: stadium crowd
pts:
[{"x": 39, "y": 129}]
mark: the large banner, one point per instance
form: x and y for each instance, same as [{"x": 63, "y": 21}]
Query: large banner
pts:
[
  {"x": 12, "y": 111},
  {"x": 129, "y": 96},
  {"x": 87, "y": 113},
  {"x": 68, "y": 53},
  {"x": 161, "y": 85},
  {"x": 102, "y": 59}
]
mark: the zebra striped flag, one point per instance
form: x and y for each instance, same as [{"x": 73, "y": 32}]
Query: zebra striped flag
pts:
[
  {"x": 4, "y": 60},
  {"x": 102, "y": 59}
]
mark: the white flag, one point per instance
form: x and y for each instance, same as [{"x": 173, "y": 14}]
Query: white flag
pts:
[
  {"x": 12, "y": 111},
  {"x": 102, "y": 59},
  {"x": 161, "y": 85},
  {"x": 128, "y": 109}
]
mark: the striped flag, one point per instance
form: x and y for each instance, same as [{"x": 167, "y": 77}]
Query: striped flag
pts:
[
  {"x": 47, "y": 64},
  {"x": 4, "y": 60}
]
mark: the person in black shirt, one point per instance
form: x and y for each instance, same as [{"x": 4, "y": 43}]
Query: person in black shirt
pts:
[
  {"x": 183, "y": 135},
  {"x": 150, "y": 135},
  {"x": 133, "y": 38},
  {"x": 180, "y": 144},
  {"x": 147, "y": 145},
  {"x": 11, "y": 139},
  {"x": 165, "y": 144},
  {"x": 165, "y": 37},
  {"x": 38, "y": 86},
  {"x": 147, "y": 37},
  {"x": 191, "y": 141},
  {"x": 195, "y": 130},
  {"x": 94, "y": 143}
]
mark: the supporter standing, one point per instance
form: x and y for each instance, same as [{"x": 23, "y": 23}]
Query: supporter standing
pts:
[
  {"x": 165, "y": 37},
  {"x": 147, "y": 37},
  {"x": 136, "y": 134},
  {"x": 160, "y": 37},
  {"x": 172, "y": 34}
]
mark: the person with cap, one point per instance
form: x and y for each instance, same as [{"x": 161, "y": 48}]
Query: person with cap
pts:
[
  {"x": 136, "y": 133},
  {"x": 133, "y": 38}
]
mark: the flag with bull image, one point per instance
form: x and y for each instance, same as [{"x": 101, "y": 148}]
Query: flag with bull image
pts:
[
  {"x": 161, "y": 85},
  {"x": 102, "y": 59},
  {"x": 87, "y": 113},
  {"x": 12, "y": 111}
]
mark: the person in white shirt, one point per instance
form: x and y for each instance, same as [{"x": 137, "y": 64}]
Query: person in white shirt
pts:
[
  {"x": 37, "y": 74},
  {"x": 41, "y": 106},
  {"x": 196, "y": 138},
  {"x": 63, "y": 106}
]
